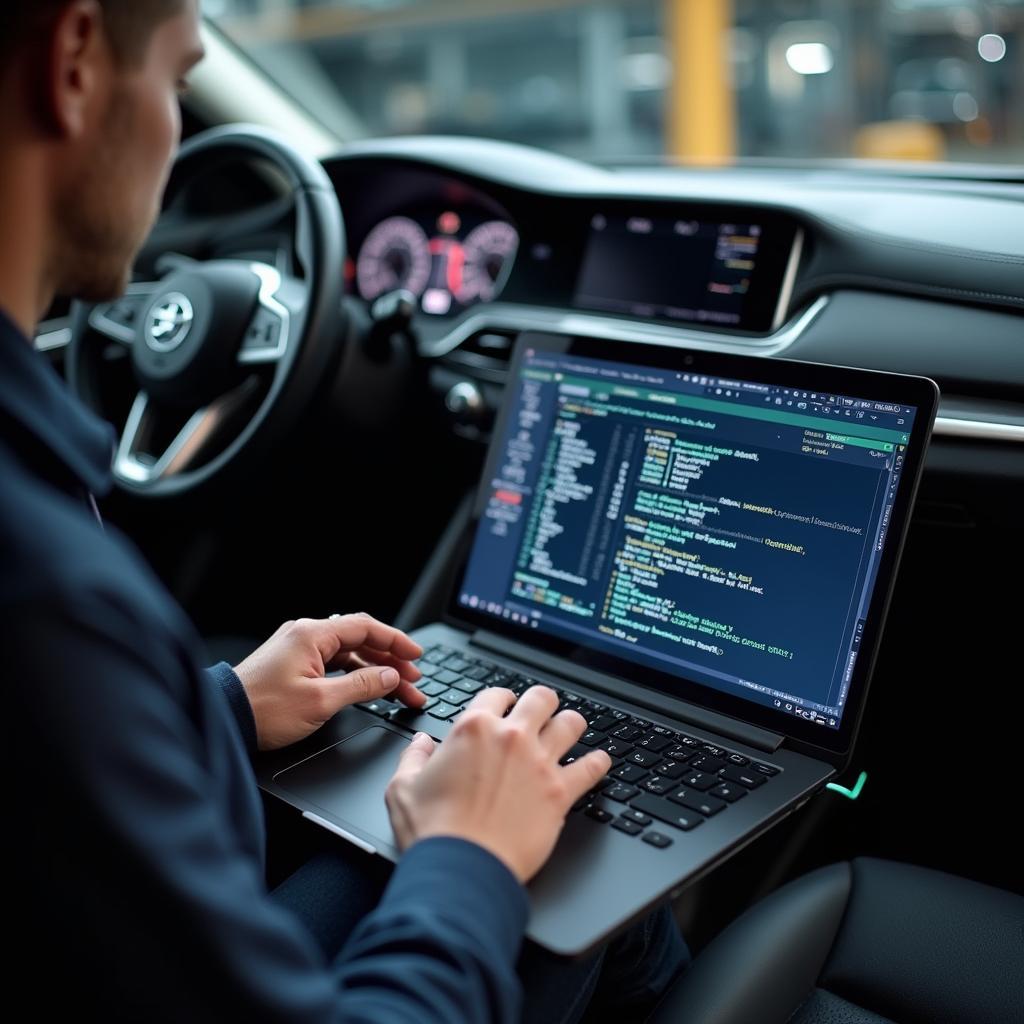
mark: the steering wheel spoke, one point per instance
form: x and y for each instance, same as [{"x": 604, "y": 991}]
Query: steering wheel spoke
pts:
[
  {"x": 268, "y": 334},
  {"x": 142, "y": 459},
  {"x": 120, "y": 320}
]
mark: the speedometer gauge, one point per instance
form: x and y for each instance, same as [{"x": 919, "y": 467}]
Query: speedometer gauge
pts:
[
  {"x": 488, "y": 249},
  {"x": 396, "y": 254}
]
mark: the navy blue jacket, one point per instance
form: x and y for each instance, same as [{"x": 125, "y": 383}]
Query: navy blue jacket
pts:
[{"x": 137, "y": 883}]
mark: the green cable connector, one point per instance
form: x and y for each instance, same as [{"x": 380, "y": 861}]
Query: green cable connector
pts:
[{"x": 850, "y": 794}]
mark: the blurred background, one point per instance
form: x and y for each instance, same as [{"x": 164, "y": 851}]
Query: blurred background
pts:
[{"x": 685, "y": 80}]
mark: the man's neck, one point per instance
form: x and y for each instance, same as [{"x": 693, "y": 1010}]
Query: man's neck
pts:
[{"x": 25, "y": 289}]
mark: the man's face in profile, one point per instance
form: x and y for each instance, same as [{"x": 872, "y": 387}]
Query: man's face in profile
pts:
[{"x": 111, "y": 194}]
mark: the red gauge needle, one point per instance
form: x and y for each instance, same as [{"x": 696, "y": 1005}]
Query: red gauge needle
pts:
[{"x": 456, "y": 261}]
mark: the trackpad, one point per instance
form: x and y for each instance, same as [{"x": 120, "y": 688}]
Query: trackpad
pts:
[{"x": 348, "y": 781}]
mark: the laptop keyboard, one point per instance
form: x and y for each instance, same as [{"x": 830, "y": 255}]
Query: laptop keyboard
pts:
[{"x": 659, "y": 776}]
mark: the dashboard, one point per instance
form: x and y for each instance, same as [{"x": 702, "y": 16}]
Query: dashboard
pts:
[
  {"x": 920, "y": 275},
  {"x": 454, "y": 244},
  {"x": 729, "y": 267}
]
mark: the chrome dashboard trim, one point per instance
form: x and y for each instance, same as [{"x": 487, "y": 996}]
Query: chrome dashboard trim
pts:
[
  {"x": 506, "y": 317},
  {"x": 788, "y": 279},
  {"x": 978, "y": 430}
]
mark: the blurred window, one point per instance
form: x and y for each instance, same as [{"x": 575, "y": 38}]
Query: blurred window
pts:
[{"x": 704, "y": 80}]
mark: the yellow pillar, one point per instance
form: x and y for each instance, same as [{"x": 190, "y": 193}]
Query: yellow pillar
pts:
[{"x": 701, "y": 109}]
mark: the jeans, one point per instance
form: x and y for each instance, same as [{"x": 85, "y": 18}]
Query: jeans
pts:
[{"x": 335, "y": 889}]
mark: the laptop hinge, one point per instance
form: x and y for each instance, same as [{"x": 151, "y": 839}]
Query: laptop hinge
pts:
[{"x": 743, "y": 732}]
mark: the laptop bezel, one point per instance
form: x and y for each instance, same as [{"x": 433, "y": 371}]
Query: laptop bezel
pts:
[{"x": 819, "y": 741}]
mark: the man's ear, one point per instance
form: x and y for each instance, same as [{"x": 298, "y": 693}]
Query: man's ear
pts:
[{"x": 79, "y": 67}]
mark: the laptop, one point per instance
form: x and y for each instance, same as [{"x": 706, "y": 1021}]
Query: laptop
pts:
[{"x": 697, "y": 551}]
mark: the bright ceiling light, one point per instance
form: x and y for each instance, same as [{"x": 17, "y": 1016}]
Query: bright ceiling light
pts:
[
  {"x": 965, "y": 106},
  {"x": 809, "y": 58},
  {"x": 992, "y": 47}
]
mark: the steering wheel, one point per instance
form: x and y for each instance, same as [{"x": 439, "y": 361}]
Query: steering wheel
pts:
[{"x": 224, "y": 351}]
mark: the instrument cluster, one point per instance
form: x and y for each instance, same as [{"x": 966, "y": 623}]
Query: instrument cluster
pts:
[{"x": 448, "y": 256}]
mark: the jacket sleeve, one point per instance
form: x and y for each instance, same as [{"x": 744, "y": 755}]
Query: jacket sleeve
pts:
[
  {"x": 171, "y": 916},
  {"x": 223, "y": 676}
]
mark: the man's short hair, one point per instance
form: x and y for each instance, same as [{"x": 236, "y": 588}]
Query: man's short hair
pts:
[{"x": 129, "y": 23}]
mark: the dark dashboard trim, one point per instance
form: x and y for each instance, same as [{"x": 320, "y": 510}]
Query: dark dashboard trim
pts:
[{"x": 958, "y": 242}]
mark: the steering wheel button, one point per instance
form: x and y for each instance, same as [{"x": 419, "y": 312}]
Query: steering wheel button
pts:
[{"x": 264, "y": 332}]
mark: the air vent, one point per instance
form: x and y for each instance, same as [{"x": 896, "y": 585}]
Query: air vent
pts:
[{"x": 495, "y": 346}]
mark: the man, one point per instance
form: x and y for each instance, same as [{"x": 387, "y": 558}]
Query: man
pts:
[{"x": 139, "y": 844}]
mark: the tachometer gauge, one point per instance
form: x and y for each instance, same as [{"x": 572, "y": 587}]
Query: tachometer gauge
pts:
[
  {"x": 396, "y": 254},
  {"x": 487, "y": 250}
]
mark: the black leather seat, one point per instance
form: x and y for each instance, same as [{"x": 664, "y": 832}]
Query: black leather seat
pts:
[{"x": 866, "y": 942}]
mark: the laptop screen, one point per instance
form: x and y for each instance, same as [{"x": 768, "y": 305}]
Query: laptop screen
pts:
[{"x": 726, "y": 530}]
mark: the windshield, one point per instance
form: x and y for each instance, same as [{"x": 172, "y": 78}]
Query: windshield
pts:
[{"x": 689, "y": 80}]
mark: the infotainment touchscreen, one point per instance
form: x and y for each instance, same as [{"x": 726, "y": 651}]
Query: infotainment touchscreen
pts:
[{"x": 721, "y": 274}]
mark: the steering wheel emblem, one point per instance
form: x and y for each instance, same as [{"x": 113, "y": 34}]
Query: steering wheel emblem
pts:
[{"x": 169, "y": 322}]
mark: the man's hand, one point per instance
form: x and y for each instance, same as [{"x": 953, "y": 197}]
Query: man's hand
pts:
[
  {"x": 496, "y": 781},
  {"x": 286, "y": 682}
]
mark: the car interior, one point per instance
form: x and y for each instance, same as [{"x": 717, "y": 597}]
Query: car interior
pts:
[{"x": 361, "y": 292}]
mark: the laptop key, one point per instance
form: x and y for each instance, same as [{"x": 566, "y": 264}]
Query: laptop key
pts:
[
  {"x": 697, "y": 801},
  {"x": 592, "y": 737},
  {"x": 599, "y": 814},
  {"x": 729, "y": 791},
  {"x": 658, "y": 785},
  {"x": 664, "y": 810},
  {"x": 739, "y": 759},
  {"x": 744, "y": 776},
  {"x": 764, "y": 769},
  {"x": 700, "y": 780},
  {"x": 454, "y": 696},
  {"x": 447, "y": 676},
  {"x": 715, "y": 751},
  {"x": 601, "y": 722},
  {"x": 631, "y": 828},
  {"x": 657, "y": 839},
  {"x": 476, "y": 672},
  {"x": 627, "y": 732},
  {"x": 654, "y": 743},
  {"x": 638, "y": 816},
  {"x": 427, "y": 668},
  {"x": 629, "y": 773},
  {"x": 620, "y": 792},
  {"x": 644, "y": 758},
  {"x": 679, "y": 753},
  {"x": 433, "y": 688},
  {"x": 403, "y": 714},
  {"x": 444, "y": 710},
  {"x": 617, "y": 748},
  {"x": 664, "y": 730},
  {"x": 575, "y": 753},
  {"x": 707, "y": 763},
  {"x": 468, "y": 685},
  {"x": 380, "y": 707},
  {"x": 671, "y": 770},
  {"x": 498, "y": 678}
]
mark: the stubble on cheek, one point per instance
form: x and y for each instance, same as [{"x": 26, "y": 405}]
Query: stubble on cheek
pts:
[{"x": 106, "y": 214}]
